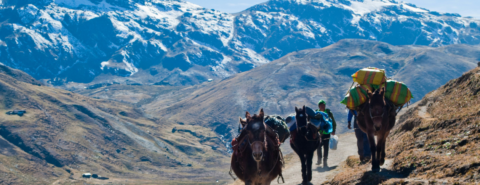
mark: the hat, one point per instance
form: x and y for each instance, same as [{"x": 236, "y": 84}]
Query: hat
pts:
[{"x": 322, "y": 102}]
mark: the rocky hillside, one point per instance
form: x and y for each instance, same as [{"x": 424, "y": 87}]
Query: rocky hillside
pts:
[
  {"x": 436, "y": 141},
  {"x": 63, "y": 135},
  {"x": 179, "y": 43},
  {"x": 304, "y": 77}
]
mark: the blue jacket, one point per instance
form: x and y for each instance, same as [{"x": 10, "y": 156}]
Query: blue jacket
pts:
[{"x": 351, "y": 113}]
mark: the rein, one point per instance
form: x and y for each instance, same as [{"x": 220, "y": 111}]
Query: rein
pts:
[{"x": 313, "y": 139}]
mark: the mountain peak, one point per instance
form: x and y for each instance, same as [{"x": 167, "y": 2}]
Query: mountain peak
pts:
[{"x": 151, "y": 41}]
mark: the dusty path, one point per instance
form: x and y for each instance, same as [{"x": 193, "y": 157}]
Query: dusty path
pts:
[{"x": 347, "y": 146}]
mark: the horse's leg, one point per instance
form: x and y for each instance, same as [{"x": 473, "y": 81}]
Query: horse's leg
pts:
[
  {"x": 309, "y": 164},
  {"x": 380, "y": 141},
  {"x": 381, "y": 144},
  {"x": 294, "y": 148},
  {"x": 373, "y": 149},
  {"x": 304, "y": 167}
]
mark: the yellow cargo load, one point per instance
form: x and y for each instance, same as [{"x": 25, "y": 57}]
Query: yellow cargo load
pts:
[
  {"x": 356, "y": 96},
  {"x": 370, "y": 75}
]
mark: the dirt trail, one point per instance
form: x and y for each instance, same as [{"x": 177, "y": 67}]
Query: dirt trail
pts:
[{"x": 347, "y": 146}]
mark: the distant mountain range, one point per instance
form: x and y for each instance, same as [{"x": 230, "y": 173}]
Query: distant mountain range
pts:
[
  {"x": 178, "y": 43},
  {"x": 305, "y": 77}
]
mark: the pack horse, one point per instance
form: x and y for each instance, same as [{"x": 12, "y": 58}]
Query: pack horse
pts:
[{"x": 256, "y": 159}]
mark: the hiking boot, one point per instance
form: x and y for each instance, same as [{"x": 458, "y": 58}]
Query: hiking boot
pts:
[{"x": 362, "y": 159}]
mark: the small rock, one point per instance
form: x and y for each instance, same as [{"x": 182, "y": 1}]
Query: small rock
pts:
[
  {"x": 144, "y": 159},
  {"x": 86, "y": 175}
]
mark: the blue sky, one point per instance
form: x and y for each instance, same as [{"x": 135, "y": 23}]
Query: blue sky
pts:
[{"x": 463, "y": 7}]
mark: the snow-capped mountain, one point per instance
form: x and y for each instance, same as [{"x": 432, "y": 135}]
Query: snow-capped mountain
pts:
[
  {"x": 279, "y": 27},
  {"x": 180, "y": 43}
]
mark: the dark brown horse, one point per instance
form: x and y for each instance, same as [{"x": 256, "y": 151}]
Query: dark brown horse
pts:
[
  {"x": 256, "y": 158},
  {"x": 376, "y": 118},
  {"x": 304, "y": 140}
]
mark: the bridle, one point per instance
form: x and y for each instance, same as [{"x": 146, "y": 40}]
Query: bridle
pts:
[
  {"x": 305, "y": 126},
  {"x": 383, "y": 113}
]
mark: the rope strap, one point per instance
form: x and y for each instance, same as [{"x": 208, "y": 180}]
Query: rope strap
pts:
[{"x": 278, "y": 179}]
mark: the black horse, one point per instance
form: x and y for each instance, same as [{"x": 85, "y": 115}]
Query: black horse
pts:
[
  {"x": 377, "y": 118},
  {"x": 304, "y": 140}
]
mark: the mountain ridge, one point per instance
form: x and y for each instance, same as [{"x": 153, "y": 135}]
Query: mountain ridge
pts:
[{"x": 179, "y": 43}]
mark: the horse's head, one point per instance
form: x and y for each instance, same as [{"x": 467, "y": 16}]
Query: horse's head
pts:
[
  {"x": 377, "y": 107},
  {"x": 303, "y": 125},
  {"x": 301, "y": 118},
  {"x": 256, "y": 137}
]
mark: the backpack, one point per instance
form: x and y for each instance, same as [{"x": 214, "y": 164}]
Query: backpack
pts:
[
  {"x": 323, "y": 122},
  {"x": 278, "y": 124}
]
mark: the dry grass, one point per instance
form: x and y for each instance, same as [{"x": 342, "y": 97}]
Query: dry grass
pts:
[{"x": 66, "y": 131}]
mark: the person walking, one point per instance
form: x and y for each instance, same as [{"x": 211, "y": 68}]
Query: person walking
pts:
[
  {"x": 325, "y": 139},
  {"x": 362, "y": 140}
]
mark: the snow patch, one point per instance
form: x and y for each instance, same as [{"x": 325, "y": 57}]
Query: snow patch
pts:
[
  {"x": 129, "y": 66},
  {"x": 40, "y": 42},
  {"x": 414, "y": 9},
  {"x": 104, "y": 64},
  {"x": 367, "y": 6}
]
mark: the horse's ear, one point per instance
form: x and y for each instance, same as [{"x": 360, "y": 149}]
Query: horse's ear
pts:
[
  {"x": 243, "y": 122},
  {"x": 304, "y": 108},
  {"x": 370, "y": 94},
  {"x": 261, "y": 114},
  {"x": 296, "y": 109},
  {"x": 247, "y": 115}
]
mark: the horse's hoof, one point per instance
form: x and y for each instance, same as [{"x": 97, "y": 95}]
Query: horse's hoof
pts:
[
  {"x": 382, "y": 163},
  {"x": 375, "y": 170}
]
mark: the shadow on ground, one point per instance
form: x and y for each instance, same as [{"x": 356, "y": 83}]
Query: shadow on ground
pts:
[
  {"x": 322, "y": 169},
  {"x": 309, "y": 183},
  {"x": 372, "y": 178}
]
